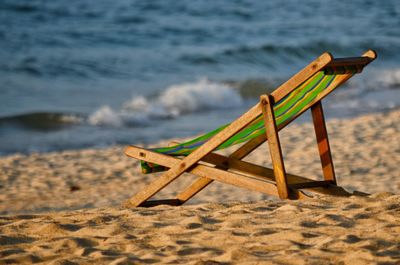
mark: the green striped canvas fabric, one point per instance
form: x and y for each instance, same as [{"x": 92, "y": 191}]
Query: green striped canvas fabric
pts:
[{"x": 284, "y": 110}]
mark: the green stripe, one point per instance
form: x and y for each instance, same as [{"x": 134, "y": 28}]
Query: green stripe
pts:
[
  {"x": 283, "y": 105},
  {"x": 304, "y": 102}
]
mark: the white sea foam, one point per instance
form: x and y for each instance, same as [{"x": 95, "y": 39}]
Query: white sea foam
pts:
[
  {"x": 390, "y": 78},
  {"x": 377, "y": 80},
  {"x": 201, "y": 95},
  {"x": 105, "y": 116},
  {"x": 174, "y": 101},
  {"x": 378, "y": 90}
]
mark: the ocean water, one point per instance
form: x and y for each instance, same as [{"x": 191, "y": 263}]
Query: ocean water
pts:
[{"x": 81, "y": 73}]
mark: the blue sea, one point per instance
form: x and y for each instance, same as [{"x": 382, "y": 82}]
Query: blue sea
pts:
[{"x": 82, "y": 73}]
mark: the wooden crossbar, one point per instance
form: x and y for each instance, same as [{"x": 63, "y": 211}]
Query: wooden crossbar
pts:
[
  {"x": 354, "y": 61},
  {"x": 365, "y": 59}
]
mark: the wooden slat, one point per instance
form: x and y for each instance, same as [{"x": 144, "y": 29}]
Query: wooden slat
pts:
[
  {"x": 365, "y": 59},
  {"x": 350, "y": 61},
  {"x": 251, "y": 183},
  {"x": 301, "y": 76},
  {"x": 176, "y": 170},
  {"x": 274, "y": 145},
  {"x": 241, "y": 166},
  {"x": 323, "y": 142}
]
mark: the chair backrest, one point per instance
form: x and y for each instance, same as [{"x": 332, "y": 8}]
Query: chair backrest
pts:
[{"x": 291, "y": 99}]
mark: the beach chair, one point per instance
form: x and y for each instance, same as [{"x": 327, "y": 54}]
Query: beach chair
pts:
[{"x": 261, "y": 123}]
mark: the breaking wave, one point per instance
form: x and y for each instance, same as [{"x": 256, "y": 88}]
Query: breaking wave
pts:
[{"x": 174, "y": 101}]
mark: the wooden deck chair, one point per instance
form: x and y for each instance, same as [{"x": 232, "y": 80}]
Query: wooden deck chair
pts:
[{"x": 303, "y": 91}]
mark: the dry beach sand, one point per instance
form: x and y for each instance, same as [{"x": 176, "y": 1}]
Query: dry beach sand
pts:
[{"x": 64, "y": 208}]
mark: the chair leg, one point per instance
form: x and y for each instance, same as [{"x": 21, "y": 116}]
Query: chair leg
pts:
[
  {"x": 323, "y": 143},
  {"x": 151, "y": 189},
  {"x": 274, "y": 146}
]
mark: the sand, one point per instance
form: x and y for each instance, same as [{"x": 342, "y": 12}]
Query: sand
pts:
[
  {"x": 353, "y": 231},
  {"x": 65, "y": 207}
]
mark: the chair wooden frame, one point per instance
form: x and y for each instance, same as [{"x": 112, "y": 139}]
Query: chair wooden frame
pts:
[{"x": 209, "y": 166}]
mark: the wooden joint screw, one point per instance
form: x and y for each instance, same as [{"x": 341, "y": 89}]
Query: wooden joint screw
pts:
[
  {"x": 314, "y": 66},
  {"x": 264, "y": 100}
]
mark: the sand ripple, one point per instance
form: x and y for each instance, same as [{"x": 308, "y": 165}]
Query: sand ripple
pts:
[{"x": 354, "y": 230}]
